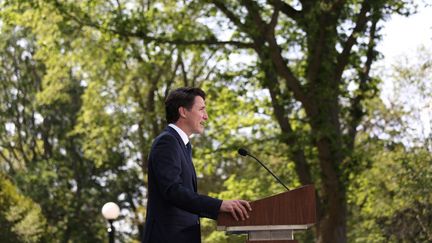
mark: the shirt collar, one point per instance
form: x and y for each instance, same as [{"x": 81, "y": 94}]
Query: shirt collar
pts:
[{"x": 182, "y": 134}]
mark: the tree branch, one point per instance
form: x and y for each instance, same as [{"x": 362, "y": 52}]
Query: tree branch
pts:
[
  {"x": 201, "y": 69},
  {"x": 254, "y": 15},
  {"x": 274, "y": 18},
  {"x": 352, "y": 39},
  {"x": 275, "y": 57},
  {"x": 287, "y": 9},
  {"x": 230, "y": 15},
  {"x": 144, "y": 36},
  {"x": 9, "y": 162},
  {"x": 183, "y": 69},
  {"x": 283, "y": 70},
  {"x": 208, "y": 42},
  {"x": 356, "y": 110},
  {"x": 301, "y": 166}
]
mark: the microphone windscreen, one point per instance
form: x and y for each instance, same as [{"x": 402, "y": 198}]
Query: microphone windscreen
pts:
[{"x": 243, "y": 152}]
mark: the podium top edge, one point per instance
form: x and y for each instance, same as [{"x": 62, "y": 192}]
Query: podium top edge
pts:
[{"x": 263, "y": 227}]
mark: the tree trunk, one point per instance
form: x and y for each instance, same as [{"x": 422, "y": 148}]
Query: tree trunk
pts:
[{"x": 332, "y": 225}]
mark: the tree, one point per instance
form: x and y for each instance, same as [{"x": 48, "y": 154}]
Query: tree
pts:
[
  {"x": 21, "y": 218},
  {"x": 390, "y": 199},
  {"x": 407, "y": 92},
  {"x": 304, "y": 54},
  {"x": 316, "y": 81},
  {"x": 97, "y": 116},
  {"x": 308, "y": 53},
  {"x": 39, "y": 106}
]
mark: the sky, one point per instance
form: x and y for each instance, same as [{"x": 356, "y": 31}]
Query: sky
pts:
[{"x": 402, "y": 37}]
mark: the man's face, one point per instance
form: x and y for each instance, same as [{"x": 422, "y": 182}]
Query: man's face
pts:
[{"x": 196, "y": 116}]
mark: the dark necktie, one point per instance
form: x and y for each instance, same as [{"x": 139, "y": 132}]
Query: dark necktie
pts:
[{"x": 189, "y": 150}]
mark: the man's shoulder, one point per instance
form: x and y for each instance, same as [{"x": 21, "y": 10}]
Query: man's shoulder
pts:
[
  {"x": 166, "y": 136},
  {"x": 165, "y": 142}
]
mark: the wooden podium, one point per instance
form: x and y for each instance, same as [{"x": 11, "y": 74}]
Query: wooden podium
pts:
[{"x": 274, "y": 219}]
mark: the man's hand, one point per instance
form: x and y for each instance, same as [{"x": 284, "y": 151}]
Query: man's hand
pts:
[{"x": 237, "y": 208}]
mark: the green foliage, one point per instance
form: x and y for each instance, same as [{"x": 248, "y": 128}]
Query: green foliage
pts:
[
  {"x": 40, "y": 103},
  {"x": 82, "y": 90},
  {"x": 21, "y": 218},
  {"x": 391, "y": 200}
]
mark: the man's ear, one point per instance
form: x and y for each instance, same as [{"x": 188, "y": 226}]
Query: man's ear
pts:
[{"x": 182, "y": 111}]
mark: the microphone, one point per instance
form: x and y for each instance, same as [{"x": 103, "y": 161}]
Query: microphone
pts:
[{"x": 244, "y": 152}]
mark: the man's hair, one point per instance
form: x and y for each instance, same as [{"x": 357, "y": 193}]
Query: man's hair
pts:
[{"x": 181, "y": 97}]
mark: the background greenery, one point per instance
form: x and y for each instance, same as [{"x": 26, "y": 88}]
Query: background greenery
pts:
[{"x": 81, "y": 98}]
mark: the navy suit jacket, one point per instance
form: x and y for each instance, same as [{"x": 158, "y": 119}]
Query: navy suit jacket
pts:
[{"x": 174, "y": 206}]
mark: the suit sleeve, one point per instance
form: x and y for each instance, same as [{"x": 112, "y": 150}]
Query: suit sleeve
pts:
[{"x": 165, "y": 161}]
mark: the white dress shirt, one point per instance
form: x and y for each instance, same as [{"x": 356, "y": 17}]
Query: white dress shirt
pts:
[{"x": 182, "y": 134}]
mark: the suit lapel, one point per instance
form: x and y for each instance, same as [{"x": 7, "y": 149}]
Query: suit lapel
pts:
[{"x": 186, "y": 154}]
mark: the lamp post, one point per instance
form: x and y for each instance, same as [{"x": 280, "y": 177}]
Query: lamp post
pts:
[{"x": 110, "y": 211}]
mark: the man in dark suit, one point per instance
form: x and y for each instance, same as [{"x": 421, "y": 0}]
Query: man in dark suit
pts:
[{"x": 174, "y": 206}]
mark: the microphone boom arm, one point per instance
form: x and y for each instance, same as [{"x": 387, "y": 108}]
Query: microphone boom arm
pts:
[{"x": 269, "y": 171}]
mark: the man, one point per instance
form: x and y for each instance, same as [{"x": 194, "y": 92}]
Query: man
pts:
[{"x": 174, "y": 206}]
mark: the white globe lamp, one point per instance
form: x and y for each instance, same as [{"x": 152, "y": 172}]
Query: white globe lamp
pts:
[{"x": 110, "y": 211}]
